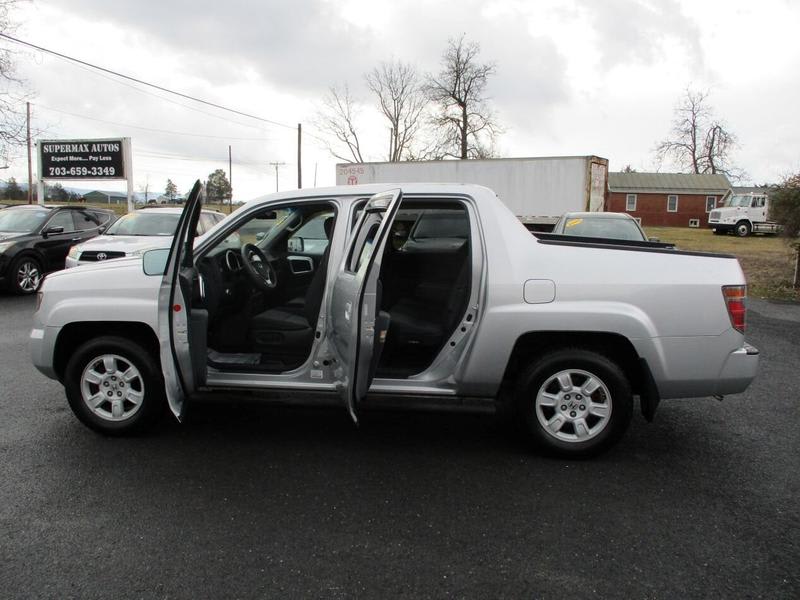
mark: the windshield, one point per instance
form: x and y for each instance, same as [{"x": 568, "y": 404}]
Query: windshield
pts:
[
  {"x": 22, "y": 220},
  {"x": 149, "y": 223},
  {"x": 738, "y": 201},
  {"x": 618, "y": 229}
]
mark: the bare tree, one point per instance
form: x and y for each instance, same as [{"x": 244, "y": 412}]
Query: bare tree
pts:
[
  {"x": 465, "y": 125},
  {"x": 402, "y": 101},
  {"x": 699, "y": 143},
  {"x": 338, "y": 118},
  {"x": 12, "y": 95}
]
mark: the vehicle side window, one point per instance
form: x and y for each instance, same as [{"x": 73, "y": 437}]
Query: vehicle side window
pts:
[
  {"x": 362, "y": 248},
  {"x": 85, "y": 220},
  {"x": 62, "y": 219},
  {"x": 313, "y": 236},
  {"x": 101, "y": 218}
]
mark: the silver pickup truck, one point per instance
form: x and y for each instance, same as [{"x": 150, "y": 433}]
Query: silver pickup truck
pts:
[{"x": 427, "y": 297}]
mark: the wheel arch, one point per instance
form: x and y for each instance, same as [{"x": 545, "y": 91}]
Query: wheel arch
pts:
[
  {"x": 533, "y": 345},
  {"x": 74, "y": 334}
]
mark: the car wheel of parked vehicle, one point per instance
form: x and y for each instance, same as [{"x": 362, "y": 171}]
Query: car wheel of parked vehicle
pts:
[
  {"x": 575, "y": 402},
  {"x": 26, "y": 275},
  {"x": 743, "y": 229},
  {"x": 114, "y": 386}
]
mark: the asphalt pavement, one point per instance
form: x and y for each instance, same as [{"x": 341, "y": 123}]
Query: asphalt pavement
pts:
[{"x": 248, "y": 501}]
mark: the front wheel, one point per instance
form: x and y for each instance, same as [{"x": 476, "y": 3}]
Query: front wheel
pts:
[
  {"x": 743, "y": 229},
  {"x": 114, "y": 386},
  {"x": 26, "y": 275},
  {"x": 574, "y": 402}
]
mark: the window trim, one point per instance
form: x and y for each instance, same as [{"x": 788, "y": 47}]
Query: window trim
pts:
[
  {"x": 674, "y": 210},
  {"x": 714, "y": 198},
  {"x": 628, "y": 198}
]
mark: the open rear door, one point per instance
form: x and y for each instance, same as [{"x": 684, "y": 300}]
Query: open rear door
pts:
[
  {"x": 182, "y": 327},
  {"x": 358, "y": 328}
]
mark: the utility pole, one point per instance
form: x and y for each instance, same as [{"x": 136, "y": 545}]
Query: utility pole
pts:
[
  {"x": 299, "y": 157},
  {"x": 30, "y": 167},
  {"x": 277, "y": 165},
  {"x": 230, "y": 180}
]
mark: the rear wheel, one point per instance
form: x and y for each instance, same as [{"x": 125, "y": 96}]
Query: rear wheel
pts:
[
  {"x": 114, "y": 386},
  {"x": 743, "y": 229},
  {"x": 574, "y": 402},
  {"x": 25, "y": 275}
]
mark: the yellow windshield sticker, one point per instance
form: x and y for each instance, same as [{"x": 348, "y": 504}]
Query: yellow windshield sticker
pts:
[{"x": 573, "y": 222}]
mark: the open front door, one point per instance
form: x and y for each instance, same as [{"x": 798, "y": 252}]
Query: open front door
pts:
[
  {"x": 358, "y": 328},
  {"x": 182, "y": 326}
]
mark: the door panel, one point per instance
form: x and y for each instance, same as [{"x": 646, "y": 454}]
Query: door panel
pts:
[
  {"x": 357, "y": 329},
  {"x": 182, "y": 324}
]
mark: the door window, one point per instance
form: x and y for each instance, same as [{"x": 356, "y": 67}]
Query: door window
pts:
[
  {"x": 62, "y": 219},
  {"x": 311, "y": 237}
]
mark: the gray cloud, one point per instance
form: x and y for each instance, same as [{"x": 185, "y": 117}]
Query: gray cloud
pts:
[
  {"x": 634, "y": 30},
  {"x": 291, "y": 42}
]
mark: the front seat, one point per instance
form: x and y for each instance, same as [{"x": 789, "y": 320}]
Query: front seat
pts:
[{"x": 286, "y": 332}]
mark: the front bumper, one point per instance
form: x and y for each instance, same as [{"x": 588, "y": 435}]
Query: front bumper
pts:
[
  {"x": 722, "y": 226},
  {"x": 42, "y": 348},
  {"x": 739, "y": 370}
]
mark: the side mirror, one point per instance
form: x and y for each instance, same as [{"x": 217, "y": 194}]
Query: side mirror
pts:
[
  {"x": 296, "y": 244},
  {"x": 52, "y": 231},
  {"x": 261, "y": 235},
  {"x": 102, "y": 229},
  {"x": 154, "y": 262}
]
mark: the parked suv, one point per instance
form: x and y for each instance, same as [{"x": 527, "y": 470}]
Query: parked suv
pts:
[
  {"x": 136, "y": 233},
  {"x": 35, "y": 239}
]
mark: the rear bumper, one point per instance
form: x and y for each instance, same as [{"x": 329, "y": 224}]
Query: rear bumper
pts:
[{"x": 739, "y": 370}]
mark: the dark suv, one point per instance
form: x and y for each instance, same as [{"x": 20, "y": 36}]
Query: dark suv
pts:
[{"x": 36, "y": 239}]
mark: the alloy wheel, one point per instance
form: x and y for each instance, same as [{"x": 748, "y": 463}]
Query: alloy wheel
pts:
[
  {"x": 573, "y": 405},
  {"x": 112, "y": 387},
  {"x": 28, "y": 276}
]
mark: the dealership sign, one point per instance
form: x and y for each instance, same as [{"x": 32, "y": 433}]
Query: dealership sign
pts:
[
  {"x": 85, "y": 159},
  {"x": 82, "y": 159}
]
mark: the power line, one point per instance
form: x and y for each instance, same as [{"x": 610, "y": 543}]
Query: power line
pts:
[
  {"x": 138, "y": 89},
  {"x": 142, "y": 82}
]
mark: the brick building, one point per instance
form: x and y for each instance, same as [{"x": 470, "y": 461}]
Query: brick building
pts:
[{"x": 667, "y": 199}]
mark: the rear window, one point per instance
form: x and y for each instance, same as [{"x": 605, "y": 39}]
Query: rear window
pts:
[
  {"x": 617, "y": 229},
  {"x": 442, "y": 224}
]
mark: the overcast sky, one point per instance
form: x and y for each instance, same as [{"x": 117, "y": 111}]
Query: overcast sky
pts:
[{"x": 573, "y": 77}]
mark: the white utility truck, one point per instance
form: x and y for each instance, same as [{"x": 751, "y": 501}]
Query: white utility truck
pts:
[
  {"x": 537, "y": 190},
  {"x": 743, "y": 214}
]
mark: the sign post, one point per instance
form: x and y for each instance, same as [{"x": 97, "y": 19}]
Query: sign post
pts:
[{"x": 85, "y": 160}]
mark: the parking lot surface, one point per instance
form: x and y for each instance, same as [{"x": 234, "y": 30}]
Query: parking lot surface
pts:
[{"x": 246, "y": 500}]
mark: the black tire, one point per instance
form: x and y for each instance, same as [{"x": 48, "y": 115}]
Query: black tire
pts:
[
  {"x": 16, "y": 279},
  {"x": 743, "y": 229},
  {"x": 150, "y": 383},
  {"x": 543, "y": 371}
]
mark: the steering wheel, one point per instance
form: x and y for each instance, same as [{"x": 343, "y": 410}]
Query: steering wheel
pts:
[{"x": 258, "y": 267}]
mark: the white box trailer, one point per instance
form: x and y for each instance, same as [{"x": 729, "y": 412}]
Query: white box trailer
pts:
[{"x": 537, "y": 189}]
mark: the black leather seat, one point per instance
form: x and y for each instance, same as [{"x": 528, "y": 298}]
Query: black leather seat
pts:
[
  {"x": 288, "y": 330},
  {"x": 416, "y": 322}
]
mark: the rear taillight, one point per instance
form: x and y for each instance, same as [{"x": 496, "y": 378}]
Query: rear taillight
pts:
[{"x": 735, "y": 297}]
